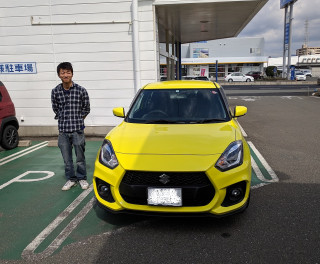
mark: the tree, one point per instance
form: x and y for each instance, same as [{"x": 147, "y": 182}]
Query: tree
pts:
[{"x": 270, "y": 71}]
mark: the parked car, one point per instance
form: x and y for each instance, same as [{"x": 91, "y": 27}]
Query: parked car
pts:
[
  {"x": 255, "y": 74},
  {"x": 238, "y": 77},
  {"x": 300, "y": 76},
  {"x": 9, "y": 137},
  {"x": 306, "y": 72},
  {"x": 318, "y": 81},
  {"x": 201, "y": 78},
  {"x": 178, "y": 150}
]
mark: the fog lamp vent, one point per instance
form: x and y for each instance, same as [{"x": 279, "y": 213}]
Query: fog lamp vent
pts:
[
  {"x": 104, "y": 190},
  {"x": 235, "y": 194}
]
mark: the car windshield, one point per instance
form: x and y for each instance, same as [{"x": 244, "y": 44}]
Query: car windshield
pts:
[{"x": 167, "y": 106}]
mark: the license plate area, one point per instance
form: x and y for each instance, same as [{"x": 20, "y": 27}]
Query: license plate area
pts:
[{"x": 165, "y": 196}]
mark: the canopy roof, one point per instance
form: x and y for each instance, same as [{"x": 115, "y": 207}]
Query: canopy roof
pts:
[{"x": 197, "y": 20}]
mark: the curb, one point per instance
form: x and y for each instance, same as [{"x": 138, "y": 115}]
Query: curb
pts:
[
  {"x": 24, "y": 143},
  {"x": 53, "y": 143}
]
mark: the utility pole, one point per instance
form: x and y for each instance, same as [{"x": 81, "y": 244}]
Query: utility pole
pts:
[
  {"x": 288, "y": 5},
  {"x": 306, "y": 36}
]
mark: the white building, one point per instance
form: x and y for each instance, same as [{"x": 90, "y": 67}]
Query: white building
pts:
[
  {"x": 231, "y": 54},
  {"x": 112, "y": 44},
  {"x": 311, "y": 62}
]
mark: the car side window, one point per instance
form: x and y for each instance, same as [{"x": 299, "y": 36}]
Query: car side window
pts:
[{"x": 0, "y": 97}]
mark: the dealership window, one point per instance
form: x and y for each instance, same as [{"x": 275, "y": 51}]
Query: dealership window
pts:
[
  {"x": 200, "y": 53},
  {"x": 184, "y": 70},
  {"x": 235, "y": 67},
  {"x": 163, "y": 70},
  {"x": 221, "y": 70}
]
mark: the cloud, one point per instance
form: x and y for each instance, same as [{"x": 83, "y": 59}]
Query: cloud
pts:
[{"x": 269, "y": 24}]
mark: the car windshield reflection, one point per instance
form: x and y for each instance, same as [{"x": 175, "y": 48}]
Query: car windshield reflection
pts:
[{"x": 178, "y": 106}]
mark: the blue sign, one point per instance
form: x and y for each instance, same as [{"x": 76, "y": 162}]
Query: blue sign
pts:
[
  {"x": 18, "y": 68},
  {"x": 283, "y": 3},
  {"x": 293, "y": 73},
  {"x": 287, "y": 33}
]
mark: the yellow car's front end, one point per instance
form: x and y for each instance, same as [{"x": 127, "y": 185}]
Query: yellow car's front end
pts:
[{"x": 182, "y": 162}]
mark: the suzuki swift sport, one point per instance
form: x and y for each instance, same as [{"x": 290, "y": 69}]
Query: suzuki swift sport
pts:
[{"x": 179, "y": 150}]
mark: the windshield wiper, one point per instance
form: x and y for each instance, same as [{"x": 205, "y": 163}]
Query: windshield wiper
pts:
[{"x": 211, "y": 120}]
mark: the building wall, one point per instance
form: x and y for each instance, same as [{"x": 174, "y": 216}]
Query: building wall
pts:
[
  {"x": 308, "y": 51},
  {"x": 233, "y": 54},
  {"x": 45, "y": 32},
  {"x": 231, "y": 47}
]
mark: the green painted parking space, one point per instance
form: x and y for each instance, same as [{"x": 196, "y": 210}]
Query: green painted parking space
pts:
[
  {"x": 37, "y": 219},
  {"x": 29, "y": 204},
  {"x": 262, "y": 173}
]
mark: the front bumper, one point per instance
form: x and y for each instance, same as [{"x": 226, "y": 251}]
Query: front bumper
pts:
[{"x": 213, "y": 193}]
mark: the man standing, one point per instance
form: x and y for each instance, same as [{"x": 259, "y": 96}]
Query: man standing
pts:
[{"x": 70, "y": 103}]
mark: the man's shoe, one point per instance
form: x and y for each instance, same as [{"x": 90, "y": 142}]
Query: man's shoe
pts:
[
  {"x": 84, "y": 184},
  {"x": 68, "y": 185}
]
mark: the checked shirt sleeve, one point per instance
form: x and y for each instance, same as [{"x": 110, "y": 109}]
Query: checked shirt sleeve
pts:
[
  {"x": 55, "y": 106},
  {"x": 85, "y": 104}
]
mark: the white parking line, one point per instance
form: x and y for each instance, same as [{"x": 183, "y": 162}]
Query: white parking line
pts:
[
  {"x": 22, "y": 153},
  {"x": 264, "y": 163},
  {"x": 28, "y": 252},
  {"x": 17, "y": 153},
  {"x": 66, "y": 231},
  {"x": 242, "y": 130}
]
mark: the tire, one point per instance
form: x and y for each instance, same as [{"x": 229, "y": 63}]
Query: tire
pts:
[
  {"x": 10, "y": 137},
  {"x": 230, "y": 80},
  {"x": 248, "y": 80}
]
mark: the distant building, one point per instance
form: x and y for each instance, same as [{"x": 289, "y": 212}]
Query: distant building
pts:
[
  {"x": 305, "y": 50},
  {"x": 311, "y": 62},
  {"x": 232, "y": 54}
]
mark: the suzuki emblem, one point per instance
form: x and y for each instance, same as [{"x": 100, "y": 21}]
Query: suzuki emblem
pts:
[{"x": 164, "y": 178}]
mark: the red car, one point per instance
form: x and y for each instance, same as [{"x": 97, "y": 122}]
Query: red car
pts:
[
  {"x": 255, "y": 74},
  {"x": 9, "y": 137}
]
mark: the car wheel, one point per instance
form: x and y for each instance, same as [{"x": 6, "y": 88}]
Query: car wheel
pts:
[
  {"x": 230, "y": 80},
  {"x": 248, "y": 80},
  {"x": 10, "y": 137}
]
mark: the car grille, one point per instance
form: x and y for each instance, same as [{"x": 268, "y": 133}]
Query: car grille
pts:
[{"x": 197, "y": 189}]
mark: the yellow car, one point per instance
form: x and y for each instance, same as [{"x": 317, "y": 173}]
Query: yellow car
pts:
[{"x": 179, "y": 150}]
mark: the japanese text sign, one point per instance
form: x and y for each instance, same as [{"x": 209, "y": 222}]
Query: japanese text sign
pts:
[{"x": 18, "y": 68}]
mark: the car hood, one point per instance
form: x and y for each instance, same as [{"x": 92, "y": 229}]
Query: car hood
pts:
[{"x": 172, "y": 139}]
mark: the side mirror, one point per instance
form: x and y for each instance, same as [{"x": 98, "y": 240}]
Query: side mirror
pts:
[
  {"x": 240, "y": 111},
  {"x": 119, "y": 112}
]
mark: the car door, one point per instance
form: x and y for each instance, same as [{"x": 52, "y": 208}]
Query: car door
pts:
[
  {"x": 242, "y": 77},
  {"x": 237, "y": 77}
]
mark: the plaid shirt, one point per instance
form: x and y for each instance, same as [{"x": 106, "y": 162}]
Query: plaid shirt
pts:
[{"x": 70, "y": 106}]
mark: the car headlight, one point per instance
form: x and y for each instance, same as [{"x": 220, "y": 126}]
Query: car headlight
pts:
[
  {"x": 232, "y": 157},
  {"x": 107, "y": 155}
]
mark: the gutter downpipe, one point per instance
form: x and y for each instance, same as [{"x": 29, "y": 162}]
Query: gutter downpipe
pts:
[{"x": 136, "y": 49}]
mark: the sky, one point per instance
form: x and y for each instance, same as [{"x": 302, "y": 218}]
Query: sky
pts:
[{"x": 269, "y": 23}]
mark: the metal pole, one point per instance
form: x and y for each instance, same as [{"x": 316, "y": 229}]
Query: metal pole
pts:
[
  {"x": 284, "y": 43},
  {"x": 136, "y": 48},
  {"x": 179, "y": 60},
  {"x": 216, "y": 70},
  {"x": 167, "y": 58},
  {"x": 289, "y": 46}
]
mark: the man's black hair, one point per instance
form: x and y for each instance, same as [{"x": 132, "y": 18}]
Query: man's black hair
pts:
[{"x": 64, "y": 66}]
